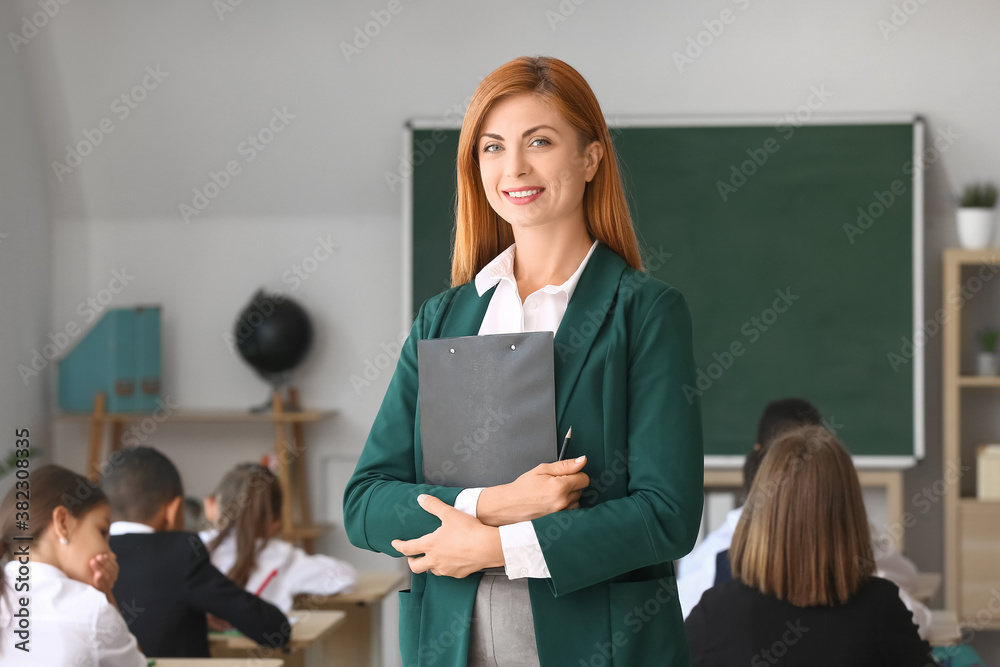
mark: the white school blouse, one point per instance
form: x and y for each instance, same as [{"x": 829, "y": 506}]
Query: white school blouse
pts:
[
  {"x": 72, "y": 624},
  {"x": 542, "y": 310},
  {"x": 297, "y": 571}
]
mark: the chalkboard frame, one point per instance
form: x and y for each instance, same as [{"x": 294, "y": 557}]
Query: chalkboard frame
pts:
[{"x": 405, "y": 171}]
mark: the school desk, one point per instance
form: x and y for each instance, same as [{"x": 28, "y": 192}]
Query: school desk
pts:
[
  {"x": 312, "y": 635},
  {"x": 359, "y": 639},
  {"x": 217, "y": 662}
]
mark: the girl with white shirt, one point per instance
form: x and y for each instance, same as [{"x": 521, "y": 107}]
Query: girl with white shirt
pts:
[
  {"x": 62, "y": 565},
  {"x": 246, "y": 512}
]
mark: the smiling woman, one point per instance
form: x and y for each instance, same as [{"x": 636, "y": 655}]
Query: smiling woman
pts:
[{"x": 549, "y": 569}]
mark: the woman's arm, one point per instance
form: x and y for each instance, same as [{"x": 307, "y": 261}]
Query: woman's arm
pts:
[
  {"x": 658, "y": 521},
  {"x": 380, "y": 500}
]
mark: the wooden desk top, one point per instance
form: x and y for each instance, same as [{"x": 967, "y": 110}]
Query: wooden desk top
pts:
[
  {"x": 203, "y": 416},
  {"x": 945, "y": 630},
  {"x": 372, "y": 587},
  {"x": 218, "y": 662},
  {"x": 310, "y": 625}
]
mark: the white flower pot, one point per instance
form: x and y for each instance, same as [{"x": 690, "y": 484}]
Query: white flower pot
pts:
[
  {"x": 988, "y": 364},
  {"x": 975, "y": 227}
]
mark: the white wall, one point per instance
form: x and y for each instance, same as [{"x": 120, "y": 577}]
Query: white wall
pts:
[
  {"x": 324, "y": 174},
  {"x": 25, "y": 248}
]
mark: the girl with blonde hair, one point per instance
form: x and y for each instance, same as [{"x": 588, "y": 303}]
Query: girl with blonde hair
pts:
[{"x": 803, "y": 590}]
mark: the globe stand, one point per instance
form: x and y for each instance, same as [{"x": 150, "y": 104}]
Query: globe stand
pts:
[{"x": 278, "y": 382}]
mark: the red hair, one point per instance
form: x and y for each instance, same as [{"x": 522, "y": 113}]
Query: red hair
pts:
[{"x": 481, "y": 234}]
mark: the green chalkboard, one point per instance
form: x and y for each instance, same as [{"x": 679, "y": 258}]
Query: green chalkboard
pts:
[{"x": 794, "y": 249}]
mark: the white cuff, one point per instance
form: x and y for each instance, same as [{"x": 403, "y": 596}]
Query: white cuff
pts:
[
  {"x": 522, "y": 553},
  {"x": 468, "y": 500}
]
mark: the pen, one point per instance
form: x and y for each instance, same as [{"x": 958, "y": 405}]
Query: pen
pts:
[{"x": 562, "y": 451}]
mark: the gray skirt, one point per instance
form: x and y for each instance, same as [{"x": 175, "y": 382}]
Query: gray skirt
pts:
[{"x": 503, "y": 631}]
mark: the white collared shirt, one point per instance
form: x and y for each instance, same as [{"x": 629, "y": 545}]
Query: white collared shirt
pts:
[
  {"x": 294, "y": 570},
  {"x": 126, "y": 527},
  {"x": 542, "y": 310},
  {"x": 70, "y": 623}
]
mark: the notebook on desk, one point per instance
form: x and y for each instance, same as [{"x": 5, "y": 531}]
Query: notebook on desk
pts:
[{"x": 487, "y": 407}]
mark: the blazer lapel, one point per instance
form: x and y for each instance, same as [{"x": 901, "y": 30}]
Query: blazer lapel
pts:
[
  {"x": 592, "y": 298},
  {"x": 464, "y": 315},
  {"x": 596, "y": 291}
]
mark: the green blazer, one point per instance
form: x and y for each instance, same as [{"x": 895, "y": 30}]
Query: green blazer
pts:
[{"x": 622, "y": 357}]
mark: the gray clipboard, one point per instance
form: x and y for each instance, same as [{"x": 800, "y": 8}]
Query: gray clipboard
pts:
[{"x": 487, "y": 407}]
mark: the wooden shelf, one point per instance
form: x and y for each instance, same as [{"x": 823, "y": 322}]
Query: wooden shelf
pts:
[
  {"x": 984, "y": 505},
  {"x": 962, "y": 256},
  {"x": 971, "y": 541},
  {"x": 284, "y": 416},
  {"x": 202, "y": 416},
  {"x": 977, "y": 381}
]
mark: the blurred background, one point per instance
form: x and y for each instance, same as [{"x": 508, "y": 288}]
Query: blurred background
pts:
[{"x": 308, "y": 111}]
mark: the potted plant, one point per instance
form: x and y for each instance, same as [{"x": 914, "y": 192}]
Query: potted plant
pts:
[
  {"x": 988, "y": 361},
  {"x": 975, "y": 216}
]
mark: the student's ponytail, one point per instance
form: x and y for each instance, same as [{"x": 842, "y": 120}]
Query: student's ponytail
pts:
[
  {"x": 249, "y": 499},
  {"x": 51, "y": 486}
]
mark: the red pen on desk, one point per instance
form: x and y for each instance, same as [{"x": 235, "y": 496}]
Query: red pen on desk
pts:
[{"x": 274, "y": 573}]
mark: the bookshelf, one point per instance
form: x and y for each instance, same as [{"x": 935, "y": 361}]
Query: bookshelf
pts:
[
  {"x": 285, "y": 415},
  {"x": 971, "y": 526}
]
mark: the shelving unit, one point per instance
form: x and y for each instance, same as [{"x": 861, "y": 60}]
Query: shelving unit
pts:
[
  {"x": 972, "y": 527},
  {"x": 291, "y": 452}
]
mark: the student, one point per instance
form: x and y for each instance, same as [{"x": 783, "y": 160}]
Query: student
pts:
[
  {"x": 803, "y": 590},
  {"x": 165, "y": 574},
  {"x": 698, "y": 571},
  {"x": 72, "y": 615},
  {"x": 246, "y": 512}
]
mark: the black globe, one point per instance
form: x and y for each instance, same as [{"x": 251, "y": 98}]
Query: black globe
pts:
[{"x": 273, "y": 334}]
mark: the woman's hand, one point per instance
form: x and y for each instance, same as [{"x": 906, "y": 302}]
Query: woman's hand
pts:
[
  {"x": 546, "y": 488},
  {"x": 104, "y": 566},
  {"x": 460, "y": 546}
]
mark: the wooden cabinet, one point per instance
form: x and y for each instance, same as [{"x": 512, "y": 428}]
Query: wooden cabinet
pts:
[{"x": 971, "y": 526}]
